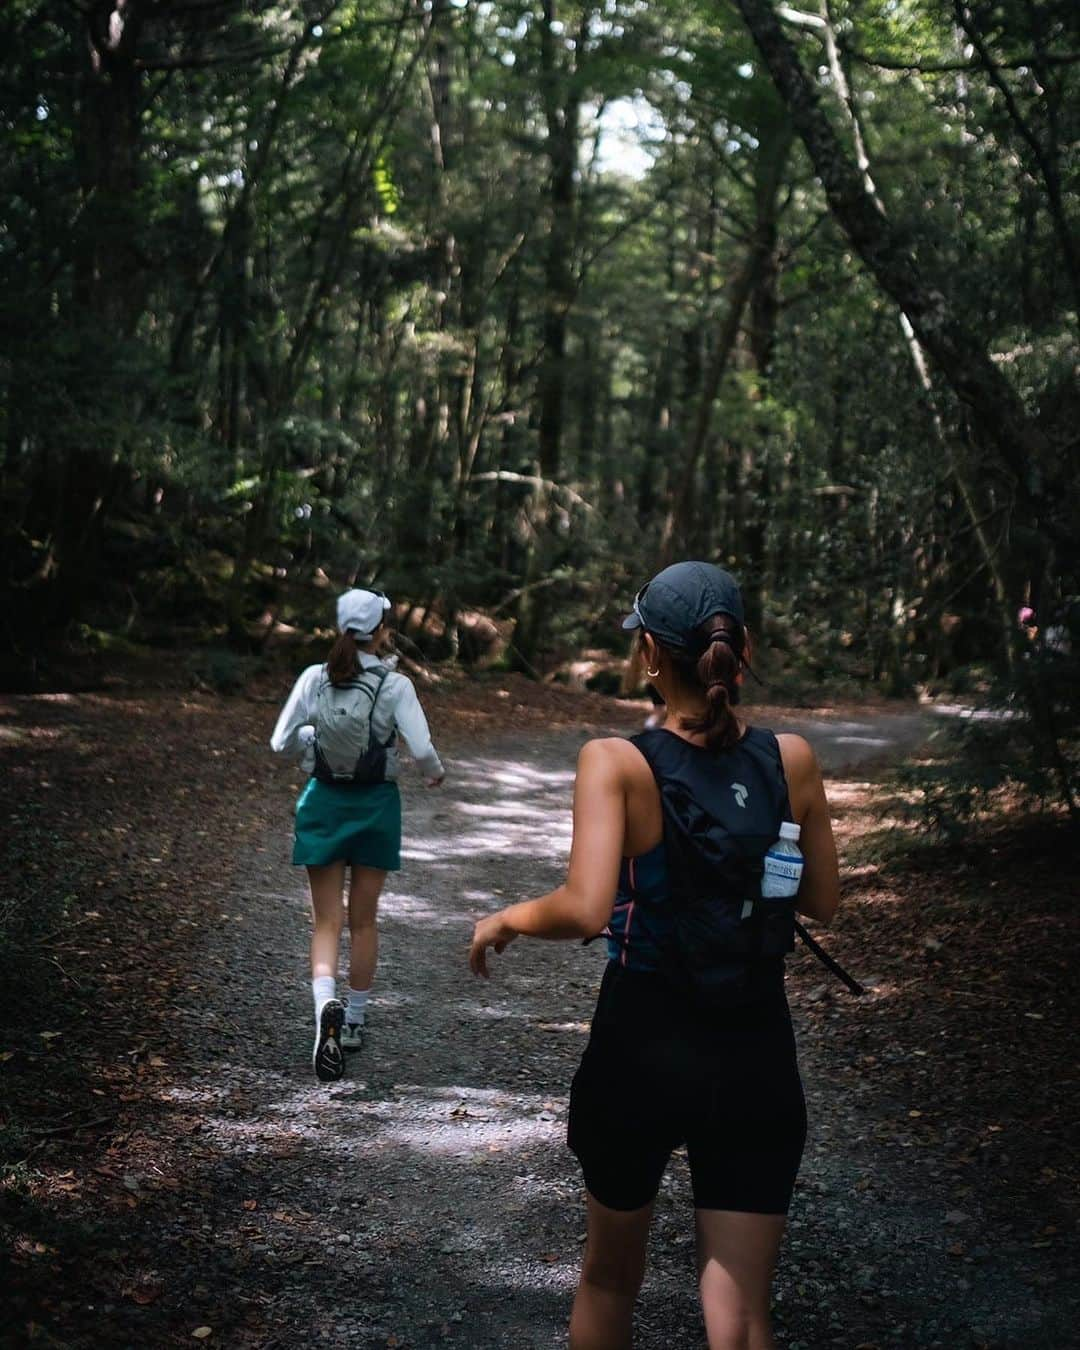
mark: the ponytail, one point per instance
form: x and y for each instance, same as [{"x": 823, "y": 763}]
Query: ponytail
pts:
[
  {"x": 343, "y": 663},
  {"x": 715, "y": 671}
]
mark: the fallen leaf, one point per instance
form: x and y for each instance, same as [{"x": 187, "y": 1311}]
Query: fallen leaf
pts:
[{"x": 201, "y": 1333}]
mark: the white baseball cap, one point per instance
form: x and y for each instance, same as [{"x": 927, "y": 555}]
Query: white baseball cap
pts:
[{"x": 361, "y": 612}]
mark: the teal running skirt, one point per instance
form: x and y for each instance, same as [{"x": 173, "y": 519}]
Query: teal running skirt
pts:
[{"x": 353, "y": 823}]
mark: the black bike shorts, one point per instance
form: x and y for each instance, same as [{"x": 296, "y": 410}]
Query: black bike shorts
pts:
[{"x": 655, "y": 1079}]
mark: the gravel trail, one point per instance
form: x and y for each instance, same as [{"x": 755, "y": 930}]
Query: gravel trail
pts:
[{"x": 428, "y": 1199}]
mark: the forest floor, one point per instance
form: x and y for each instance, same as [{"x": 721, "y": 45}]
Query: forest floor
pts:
[{"x": 172, "y": 1171}]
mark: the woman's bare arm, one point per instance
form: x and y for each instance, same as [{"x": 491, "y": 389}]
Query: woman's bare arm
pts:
[
  {"x": 819, "y": 892},
  {"x": 582, "y": 905}
]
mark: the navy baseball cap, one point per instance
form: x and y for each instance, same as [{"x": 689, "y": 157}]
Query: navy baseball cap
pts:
[{"x": 680, "y": 598}]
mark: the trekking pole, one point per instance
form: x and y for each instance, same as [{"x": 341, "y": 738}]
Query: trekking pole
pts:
[{"x": 823, "y": 956}]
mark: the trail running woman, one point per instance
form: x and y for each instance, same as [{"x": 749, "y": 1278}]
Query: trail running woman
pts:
[
  {"x": 343, "y": 718},
  {"x": 691, "y": 1040}
]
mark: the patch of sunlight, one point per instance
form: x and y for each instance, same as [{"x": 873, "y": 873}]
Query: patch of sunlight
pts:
[
  {"x": 425, "y": 910},
  {"x": 391, "y": 998},
  {"x": 629, "y": 133},
  {"x": 192, "y": 1096},
  {"x": 975, "y": 714},
  {"x": 442, "y": 1133},
  {"x": 861, "y": 740},
  {"x": 37, "y": 733},
  {"x": 498, "y": 1098},
  {"x": 843, "y": 790},
  {"x": 503, "y": 810},
  {"x": 497, "y": 842},
  {"x": 515, "y": 774}
]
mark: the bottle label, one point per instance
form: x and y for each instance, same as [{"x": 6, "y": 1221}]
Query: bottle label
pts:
[{"x": 779, "y": 865}]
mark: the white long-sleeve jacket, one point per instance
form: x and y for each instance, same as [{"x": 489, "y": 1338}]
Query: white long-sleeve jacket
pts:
[{"x": 397, "y": 708}]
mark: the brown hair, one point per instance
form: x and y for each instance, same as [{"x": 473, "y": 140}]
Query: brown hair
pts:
[
  {"x": 343, "y": 663},
  {"x": 713, "y": 667}
]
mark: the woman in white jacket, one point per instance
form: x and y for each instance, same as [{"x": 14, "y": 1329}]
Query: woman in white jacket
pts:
[{"x": 350, "y": 822}]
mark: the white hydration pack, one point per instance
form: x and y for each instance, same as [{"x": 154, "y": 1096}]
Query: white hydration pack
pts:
[{"x": 346, "y": 750}]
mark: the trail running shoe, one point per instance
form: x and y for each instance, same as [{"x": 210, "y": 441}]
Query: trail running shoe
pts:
[
  {"x": 327, "y": 1059},
  {"x": 352, "y": 1036}
]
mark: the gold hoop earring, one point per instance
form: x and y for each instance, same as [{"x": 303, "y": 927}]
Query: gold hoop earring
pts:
[{"x": 652, "y": 674}]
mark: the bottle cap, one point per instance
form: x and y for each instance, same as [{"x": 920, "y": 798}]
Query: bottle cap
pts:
[{"x": 789, "y": 830}]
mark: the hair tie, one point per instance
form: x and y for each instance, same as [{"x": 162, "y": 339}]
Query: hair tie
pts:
[{"x": 727, "y": 637}]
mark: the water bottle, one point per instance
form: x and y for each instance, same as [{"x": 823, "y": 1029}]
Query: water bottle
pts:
[{"x": 783, "y": 865}]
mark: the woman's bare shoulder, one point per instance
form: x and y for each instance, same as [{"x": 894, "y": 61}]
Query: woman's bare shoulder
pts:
[
  {"x": 800, "y": 762},
  {"x": 614, "y": 752}
]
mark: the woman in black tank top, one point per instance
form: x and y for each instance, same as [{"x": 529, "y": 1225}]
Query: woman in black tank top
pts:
[{"x": 691, "y": 1041}]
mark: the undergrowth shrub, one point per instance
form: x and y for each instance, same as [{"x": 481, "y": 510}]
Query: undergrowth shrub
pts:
[
  {"x": 223, "y": 670},
  {"x": 1020, "y": 745}
]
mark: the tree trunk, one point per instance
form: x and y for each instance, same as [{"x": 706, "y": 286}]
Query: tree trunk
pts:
[
  {"x": 561, "y": 100},
  {"x": 109, "y": 288},
  {"x": 955, "y": 349},
  {"x": 678, "y": 524}
]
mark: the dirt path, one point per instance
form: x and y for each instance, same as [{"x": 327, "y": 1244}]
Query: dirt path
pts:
[{"x": 428, "y": 1199}]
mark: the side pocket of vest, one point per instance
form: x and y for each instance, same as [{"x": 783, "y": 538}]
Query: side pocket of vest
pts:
[{"x": 775, "y": 923}]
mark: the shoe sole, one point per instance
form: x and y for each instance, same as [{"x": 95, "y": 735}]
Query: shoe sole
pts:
[{"x": 328, "y": 1059}]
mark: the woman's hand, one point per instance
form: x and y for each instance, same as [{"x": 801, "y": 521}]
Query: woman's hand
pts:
[{"x": 493, "y": 931}]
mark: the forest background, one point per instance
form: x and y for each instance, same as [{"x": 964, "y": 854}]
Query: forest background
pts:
[{"x": 500, "y": 306}]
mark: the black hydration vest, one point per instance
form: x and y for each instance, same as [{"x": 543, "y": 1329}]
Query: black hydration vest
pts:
[{"x": 722, "y": 811}]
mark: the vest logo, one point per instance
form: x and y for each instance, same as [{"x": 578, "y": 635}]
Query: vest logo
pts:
[{"x": 741, "y": 793}]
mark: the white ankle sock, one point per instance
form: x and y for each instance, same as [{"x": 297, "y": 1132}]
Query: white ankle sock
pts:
[
  {"x": 355, "y": 1009},
  {"x": 323, "y": 988}
]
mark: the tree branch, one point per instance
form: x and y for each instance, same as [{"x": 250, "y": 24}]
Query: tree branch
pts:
[
  {"x": 956, "y": 350},
  {"x": 954, "y": 67}
]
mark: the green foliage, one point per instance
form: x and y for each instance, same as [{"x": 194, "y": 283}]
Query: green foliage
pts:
[
  {"x": 385, "y": 189},
  {"x": 224, "y": 670},
  {"x": 1021, "y": 743},
  {"x": 293, "y": 321}
]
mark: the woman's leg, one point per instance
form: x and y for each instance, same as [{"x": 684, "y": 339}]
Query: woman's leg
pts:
[
  {"x": 611, "y": 1274},
  {"x": 327, "y": 884},
  {"x": 365, "y": 887},
  {"x": 736, "y": 1259}
]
